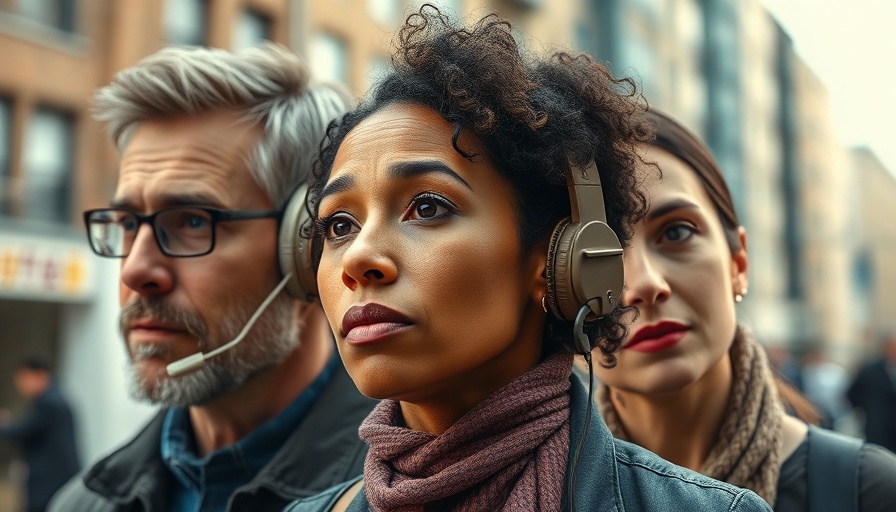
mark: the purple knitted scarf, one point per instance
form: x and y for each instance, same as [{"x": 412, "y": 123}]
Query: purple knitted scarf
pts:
[{"x": 509, "y": 453}]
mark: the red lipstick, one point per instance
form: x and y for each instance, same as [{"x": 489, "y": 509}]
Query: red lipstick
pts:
[
  {"x": 370, "y": 322},
  {"x": 656, "y": 337}
]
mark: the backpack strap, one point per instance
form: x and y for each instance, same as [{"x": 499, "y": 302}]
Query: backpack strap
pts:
[{"x": 833, "y": 471}]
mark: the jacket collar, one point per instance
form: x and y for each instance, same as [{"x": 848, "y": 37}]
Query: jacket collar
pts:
[
  {"x": 323, "y": 450},
  {"x": 134, "y": 473}
]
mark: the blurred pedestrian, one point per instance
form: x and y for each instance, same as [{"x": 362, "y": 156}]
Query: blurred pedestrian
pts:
[
  {"x": 874, "y": 392},
  {"x": 784, "y": 364},
  {"x": 45, "y": 435},
  {"x": 824, "y": 384}
]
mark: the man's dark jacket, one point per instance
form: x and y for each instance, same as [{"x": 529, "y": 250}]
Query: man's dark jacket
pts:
[
  {"x": 46, "y": 438},
  {"x": 324, "y": 450},
  {"x": 875, "y": 392}
]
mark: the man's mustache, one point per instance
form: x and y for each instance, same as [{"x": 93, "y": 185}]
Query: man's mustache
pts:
[{"x": 161, "y": 311}]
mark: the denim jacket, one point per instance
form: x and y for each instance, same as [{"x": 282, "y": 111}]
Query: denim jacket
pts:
[{"x": 612, "y": 475}]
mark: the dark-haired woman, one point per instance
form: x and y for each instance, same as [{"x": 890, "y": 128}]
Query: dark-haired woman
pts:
[
  {"x": 690, "y": 384},
  {"x": 435, "y": 206}
]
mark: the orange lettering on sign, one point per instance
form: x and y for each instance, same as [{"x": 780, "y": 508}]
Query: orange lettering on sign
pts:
[
  {"x": 8, "y": 267},
  {"x": 73, "y": 275}
]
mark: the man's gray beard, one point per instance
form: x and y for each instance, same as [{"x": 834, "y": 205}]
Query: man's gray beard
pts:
[{"x": 269, "y": 341}]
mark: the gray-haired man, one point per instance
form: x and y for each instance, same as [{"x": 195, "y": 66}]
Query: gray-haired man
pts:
[{"x": 212, "y": 143}]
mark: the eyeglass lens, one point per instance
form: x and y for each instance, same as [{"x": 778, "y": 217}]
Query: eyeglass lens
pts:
[{"x": 179, "y": 231}]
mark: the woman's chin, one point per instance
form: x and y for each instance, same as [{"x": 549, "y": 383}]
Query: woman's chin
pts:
[{"x": 668, "y": 380}]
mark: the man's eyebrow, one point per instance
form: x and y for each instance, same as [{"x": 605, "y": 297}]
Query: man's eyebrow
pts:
[
  {"x": 169, "y": 200},
  {"x": 404, "y": 170},
  {"x": 670, "y": 207}
]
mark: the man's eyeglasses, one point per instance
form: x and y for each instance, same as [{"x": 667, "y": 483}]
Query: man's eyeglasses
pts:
[{"x": 180, "y": 232}]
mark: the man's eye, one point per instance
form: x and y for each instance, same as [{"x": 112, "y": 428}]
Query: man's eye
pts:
[
  {"x": 196, "y": 222},
  {"x": 129, "y": 224}
]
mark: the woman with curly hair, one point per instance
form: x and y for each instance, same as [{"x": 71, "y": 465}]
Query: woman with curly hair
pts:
[
  {"x": 690, "y": 383},
  {"x": 435, "y": 208}
]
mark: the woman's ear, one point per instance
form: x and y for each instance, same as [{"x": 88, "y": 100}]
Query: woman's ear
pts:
[
  {"x": 537, "y": 271},
  {"x": 739, "y": 262}
]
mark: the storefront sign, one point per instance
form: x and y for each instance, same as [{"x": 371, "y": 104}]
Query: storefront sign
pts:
[{"x": 43, "y": 268}]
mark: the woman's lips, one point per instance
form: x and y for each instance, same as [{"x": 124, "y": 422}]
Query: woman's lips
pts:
[
  {"x": 370, "y": 322},
  {"x": 372, "y": 332},
  {"x": 657, "y": 337}
]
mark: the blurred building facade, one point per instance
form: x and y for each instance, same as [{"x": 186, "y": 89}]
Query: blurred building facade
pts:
[
  {"x": 724, "y": 67},
  {"x": 875, "y": 232}
]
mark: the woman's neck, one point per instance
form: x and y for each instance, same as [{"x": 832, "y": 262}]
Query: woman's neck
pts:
[{"x": 680, "y": 426}]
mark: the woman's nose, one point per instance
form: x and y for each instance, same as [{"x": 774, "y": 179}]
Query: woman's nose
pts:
[
  {"x": 369, "y": 261},
  {"x": 645, "y": 281}
]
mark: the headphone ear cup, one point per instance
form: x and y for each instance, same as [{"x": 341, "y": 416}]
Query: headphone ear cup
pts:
[
  {"x": 559, "y": 294},
  {"x": 295, "y": 247}
]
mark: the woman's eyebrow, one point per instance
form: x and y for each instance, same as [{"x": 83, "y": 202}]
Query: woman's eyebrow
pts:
[
  {"x": 404, "y": 170},
  {"x": 670, "y": 207},
  {"x": 340, "y": 184}
]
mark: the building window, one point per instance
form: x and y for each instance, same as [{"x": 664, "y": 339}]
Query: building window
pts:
[
  {"x": 185, "y": 21},
  {"x": 48, "y": 157},
  {"x": 329, "y": 58},
  {"x": 251, "y": 29},
  {"x": 59, "y": 14},
  {"x": 5, "y": 157}
]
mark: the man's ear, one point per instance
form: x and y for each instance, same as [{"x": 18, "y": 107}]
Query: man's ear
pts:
[{"x": 739, "y": 261}]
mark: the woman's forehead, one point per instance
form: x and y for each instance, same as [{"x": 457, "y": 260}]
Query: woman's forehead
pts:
[{"x": 401, "y": 132}]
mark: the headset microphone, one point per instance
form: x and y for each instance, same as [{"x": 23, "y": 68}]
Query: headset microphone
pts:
[{"x": 197, "y": 360}]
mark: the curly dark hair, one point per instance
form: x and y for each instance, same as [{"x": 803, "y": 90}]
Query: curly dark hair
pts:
[{"x": 534, "y": 119}]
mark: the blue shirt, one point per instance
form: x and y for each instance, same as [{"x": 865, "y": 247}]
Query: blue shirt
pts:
[{"x": 205, "y": 484}]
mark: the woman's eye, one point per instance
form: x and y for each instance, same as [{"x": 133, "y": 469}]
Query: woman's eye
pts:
[
  {"x": 429, "y": 207},
  {"x": 678, "y": 233},
  {"x": 339, "y": 227}
]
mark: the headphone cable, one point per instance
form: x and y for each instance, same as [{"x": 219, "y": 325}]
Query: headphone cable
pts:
[{"x": 575, "y": 460}]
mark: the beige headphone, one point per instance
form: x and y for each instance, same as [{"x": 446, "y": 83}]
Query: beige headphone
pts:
[
  {"x": 584, "y": 257},
  {"x": 295, "y": 247}
]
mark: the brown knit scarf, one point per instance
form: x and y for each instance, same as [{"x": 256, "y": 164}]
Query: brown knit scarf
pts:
[
  {"x": 748, "y": 450},
  {"x": 508, "y": 453}
]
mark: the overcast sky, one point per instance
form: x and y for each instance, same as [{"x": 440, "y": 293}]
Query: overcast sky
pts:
[{"x": 851, "y": 46}]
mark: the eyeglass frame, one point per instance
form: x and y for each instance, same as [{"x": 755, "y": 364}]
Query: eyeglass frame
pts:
[{"x": 216, "y": 214}]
